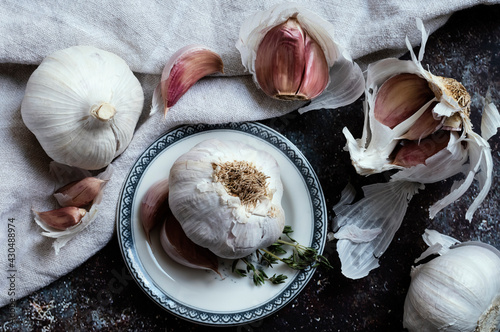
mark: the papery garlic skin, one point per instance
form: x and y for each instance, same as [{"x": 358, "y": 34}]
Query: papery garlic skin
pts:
[
  {"x": 450, "y": 103},
  {"x": 82, "y": 104},
  {"x": 432, "y": 120},
  {"x": 312, "y": 35},
  {"x": 457, "y": 291},
  {"x": 214, "y": 218}
]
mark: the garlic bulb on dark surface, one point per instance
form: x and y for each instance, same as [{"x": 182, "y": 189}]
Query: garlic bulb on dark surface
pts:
[
  {"x": 83, "y": 103},
  {"x": 227, "y": 197},
  {"x": 457, "y": 291},
  {"x": 293, "y": 55}
]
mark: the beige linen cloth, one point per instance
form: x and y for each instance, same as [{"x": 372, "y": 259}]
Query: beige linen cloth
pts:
[{"x": 145, "y": 34}]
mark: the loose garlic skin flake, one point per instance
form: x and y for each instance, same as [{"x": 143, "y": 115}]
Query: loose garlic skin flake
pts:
[
  {"x": 83, "y": 104},
  {"x": 459, "y": 291},
  {"x": 227, "y": 197}
]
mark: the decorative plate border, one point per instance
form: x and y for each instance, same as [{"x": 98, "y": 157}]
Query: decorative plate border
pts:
[{"x": 133, "y": 262}]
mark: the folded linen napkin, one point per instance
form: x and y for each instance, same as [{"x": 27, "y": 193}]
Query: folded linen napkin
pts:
[{"x": 145, "y": 35}]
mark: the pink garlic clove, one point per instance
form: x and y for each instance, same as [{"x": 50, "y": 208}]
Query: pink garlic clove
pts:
[
  {"x": 79, "y": 193},
  {"x": 413, "y": 153},
  {"x": 425, "y": 125},
  {"x": 290, "y": 65},
  {"x": 400, "y": 97},
  {"x": 62, "y": 218},
  {"x": 154, "y": 206},
  {"x": 184, "y": 251},
  {"x": 186, "y": 67}
]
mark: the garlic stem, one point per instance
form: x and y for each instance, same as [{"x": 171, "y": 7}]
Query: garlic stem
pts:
[{"x": 103, "y": 111}]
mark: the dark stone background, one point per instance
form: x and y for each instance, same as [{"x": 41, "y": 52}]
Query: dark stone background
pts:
[{"x": 100, "y": 295}]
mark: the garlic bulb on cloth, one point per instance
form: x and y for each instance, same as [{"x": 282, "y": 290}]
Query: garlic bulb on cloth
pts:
[
  {"x": 292, "y": 54},
  {"x": 457, "y": 291},
  {"x": 417, "y": 126},
  {"x": 227, "y": 197},
  {"x": 83, "y": 104}
]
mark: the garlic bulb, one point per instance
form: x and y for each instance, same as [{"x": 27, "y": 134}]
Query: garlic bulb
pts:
[
  {"x": 456, "y": 291},
  {"x": 417, "y": 126},
  {"x": 82, "y": 104},
  {"x": 227, "y": 197},
  {"x": 292, "y": 54}
]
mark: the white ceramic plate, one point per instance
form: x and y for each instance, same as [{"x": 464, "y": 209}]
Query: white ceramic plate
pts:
[{"x": 202, "y": 296}]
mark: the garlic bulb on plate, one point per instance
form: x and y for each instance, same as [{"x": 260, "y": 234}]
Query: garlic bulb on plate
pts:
[
  {"x": 292, "y": 54},
  {"x": 83, "y": 104},
  {"x": 456, "y": 291},
  {"x": 227, "y": 197},
  {"x": 417, "y": 126}
]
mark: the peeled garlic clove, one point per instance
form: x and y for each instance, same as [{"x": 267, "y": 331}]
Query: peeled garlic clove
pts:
[
  {"x": 184, "y": 251},
  {"x": 290, "y": 64},
  {"x": 79, "y": 193},
  {"x": 154, "y": 206},
  {"x": 62, "y": 218},
  {"x": 184, "y": 69},
  {"x": 400, "y": 97}
]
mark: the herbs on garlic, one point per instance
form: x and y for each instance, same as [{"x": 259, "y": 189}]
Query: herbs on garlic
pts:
[
  {"x": 79, "y": 196},
  {"x": 417, "y": 126},
  {"x": 293, "y": 55},
  {"x": 183, "y": 69},
  {"x": 82, "y": 104},
  {"x": 227, "y": 197},
  {"x": 459, "y": 290}
]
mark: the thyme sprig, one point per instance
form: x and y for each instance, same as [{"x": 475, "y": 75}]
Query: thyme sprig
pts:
[{"x": 301, "y": 258}]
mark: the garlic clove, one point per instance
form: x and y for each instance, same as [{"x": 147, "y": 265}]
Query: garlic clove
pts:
[
  {"x": 154, "y": 206},
  {"x": 425, "y": 125},
  {"x": 184, "y": 69},
  {"x": 316, "y": 71},
  {"x": 62, "y": 218},
  {"x": 290, "y": 64},
  {"x": 413, "y": 153},
  {"x": 184, "y": 251},
  {"x": 79, "y": 193},
  {"x": 280, "y": 60},
  {"x": 400, "y": 97}
]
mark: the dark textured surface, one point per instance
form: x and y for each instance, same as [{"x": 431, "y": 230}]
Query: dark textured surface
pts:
[{"x": 101, "y": 296}]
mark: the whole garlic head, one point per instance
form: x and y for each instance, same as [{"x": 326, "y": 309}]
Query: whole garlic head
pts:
[
  {"x": 227, "y": 197},
  {"x": 457, "y": 291},
  {"x": 83, "y": 104}
]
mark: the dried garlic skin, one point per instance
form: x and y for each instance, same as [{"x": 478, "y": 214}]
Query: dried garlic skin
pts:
[
  {"x": 227, "y": 197},
  {"x": 456, "y": 291},
  {"x": 417, "y": 126},
  {"x": 83, "y": 104}
]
